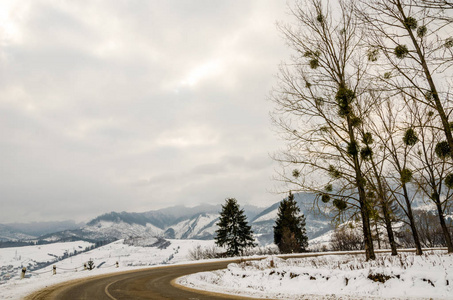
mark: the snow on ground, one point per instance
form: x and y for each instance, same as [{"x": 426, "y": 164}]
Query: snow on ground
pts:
[
  {"x": 34, "y": 257},
  {"x": 104, "y": 258},
  {"x": 18, "y": 256},
  {"x": 325, "y": 277},
  {"x": 321, "y": 242},
  {"x": 335, "y": 277}
]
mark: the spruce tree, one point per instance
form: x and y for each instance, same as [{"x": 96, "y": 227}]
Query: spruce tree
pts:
[
  {"x": 234, "y": 231},
  {"x": 289, "y": 230}
]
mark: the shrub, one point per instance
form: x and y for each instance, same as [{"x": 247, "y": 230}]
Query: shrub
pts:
[
  {"x": 346, "y": 239},
  {"x": 198, "y": 253}
]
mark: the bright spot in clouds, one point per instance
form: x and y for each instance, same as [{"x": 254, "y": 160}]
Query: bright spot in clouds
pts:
[
  {"x": 186, "y": 137},
  {"x": 206, "y": 70},
  {"x": 10, "y": 13}
]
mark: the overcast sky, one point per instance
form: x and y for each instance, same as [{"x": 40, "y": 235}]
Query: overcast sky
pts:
[{"x": 135, "y": 105}]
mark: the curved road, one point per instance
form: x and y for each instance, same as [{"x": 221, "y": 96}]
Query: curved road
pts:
[{"x": 153, "y": 283}]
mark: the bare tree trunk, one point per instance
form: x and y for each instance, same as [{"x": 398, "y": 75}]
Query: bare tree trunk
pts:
[
  {"x": 431, "y": 182},
  {"x": 364, "y": 210},
  {"x": 385, "y": 210},
  {"x": 408, "y": 209},
  {"x": 378, "y": 239},
  {"x": 367, "y": 239},
  {"x": 388, "y": 226},
  {"x": 442, "y": 223},
  {"x": 410, "y": 216}
]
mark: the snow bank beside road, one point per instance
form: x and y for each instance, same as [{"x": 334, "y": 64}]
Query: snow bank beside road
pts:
[
  {"x": 128, "y": 256},
  {"x": 331, "y": 277}
]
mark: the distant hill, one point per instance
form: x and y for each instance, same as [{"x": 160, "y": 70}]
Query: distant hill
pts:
[
  {"x": 8, "y": 233},
  {"x": 180, "y": 222},
  {"x": 41, "y": 228}
]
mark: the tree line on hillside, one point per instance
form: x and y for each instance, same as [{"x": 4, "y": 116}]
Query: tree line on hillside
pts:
[{"x": 364, "y": 107}]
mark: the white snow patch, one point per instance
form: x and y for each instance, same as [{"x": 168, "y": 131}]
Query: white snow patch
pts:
[
  {"x": 104, "y": 258},
  {"x": 194, "y": 227},
  {"x": 272, "y": 215},
  {"x": 334, "y": 277}
]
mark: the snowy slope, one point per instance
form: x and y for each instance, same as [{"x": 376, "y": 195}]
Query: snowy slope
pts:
[
  {"x": 121, "y": 230},
  {"x": 202, "y": 226},
  {"x": 270, "y": 216},
  {"x": 406, "y": 276},
  {"x": 36, "y": 257},
  {"x": 129, "y": 257}
]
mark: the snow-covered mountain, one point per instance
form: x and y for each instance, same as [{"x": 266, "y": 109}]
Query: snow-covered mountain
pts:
[
  {"x": 174, "y": 222},
  {"x": 200, "y": 227},
  {"x": 180, "y": 222},
  {"x": 103, "y": 230}
]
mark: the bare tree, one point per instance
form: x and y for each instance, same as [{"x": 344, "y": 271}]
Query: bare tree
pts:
[
  {"x": 410, "y": 43},
  {"x": 433, "y": 173},
  {"x": 320, "y": 102},
  {"x": 375, "y": 155},
  {"x": 417, "y": 50},
  {"x": 435, "y": 4},
  {"x": 346, "y": 238},
  {"x": 431, "y": 233},
  {"x": 388, "y": 124}
]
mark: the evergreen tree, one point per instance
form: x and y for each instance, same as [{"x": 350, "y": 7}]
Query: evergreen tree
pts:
[
  {"x": 289, "y": 230},
  {"x": 234, "y": 231}
]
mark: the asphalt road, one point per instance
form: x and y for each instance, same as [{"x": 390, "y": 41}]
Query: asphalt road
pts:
[{"x": 153, "y": 283}]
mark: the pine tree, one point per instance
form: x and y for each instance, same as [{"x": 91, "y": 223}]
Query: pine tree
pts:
[
  {"x": 289, "y": 230},
  {"x": 234, "y": 231}
]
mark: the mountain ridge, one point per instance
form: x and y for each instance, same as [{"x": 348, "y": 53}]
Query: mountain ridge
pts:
[{"x": 181, "y": 222}]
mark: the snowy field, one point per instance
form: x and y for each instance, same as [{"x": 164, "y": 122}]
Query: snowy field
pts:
[
  {"x": 406, "y": 276},
  {"x": 35, "y": 257},
  {"x": 104, "y": 258},
  {"x": 325, "y": 277}
]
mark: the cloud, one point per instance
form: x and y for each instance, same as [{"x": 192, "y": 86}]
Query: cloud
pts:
[{"x": 134, "y": 105}]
